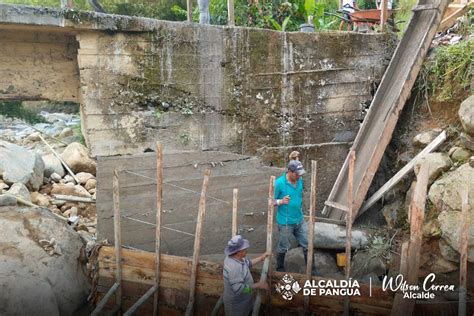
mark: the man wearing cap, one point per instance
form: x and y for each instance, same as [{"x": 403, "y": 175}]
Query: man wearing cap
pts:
[
  {"x": 289, "y": 199},
  {"x": 238, "y": 281}
]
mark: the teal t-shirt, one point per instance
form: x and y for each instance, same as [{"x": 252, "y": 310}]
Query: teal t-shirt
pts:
[{"x": 292, "y": 213}]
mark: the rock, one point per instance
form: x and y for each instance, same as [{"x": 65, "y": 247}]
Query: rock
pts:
[
  {"x": 83, "y": 177},
  {"x": 450, "y": 226},
  {"x": 3, "y": 186},
  {"x": 18, "y": 164},
  {"x": 471, "y": 161},
  {"x": 444, "y": 194},
  {"x": 69, "y": 179},
  {"x": 467, "y": 141},
  {"x": 66, "y": 132},
  {"x": 447, "y": 251},
  {"x": 431, "y": 229},
  {"x": 7, "y": 200},
  {"x": 69, "y": 189},
  {"x": 365, "y": 263},
  {"x": 423, "y": 139},
  {"x": 90, "y": 184},
  {"x": 33, "y": 281},
  {"x": 438, "y": 163},
  {"x": 20, "y": 190},
  {"x": 55, "y": 177},
  {"x": 394, "y": 213},
  {"x": 33, "y": 137},
  {"x": 77, "y": 157},
  {"x": 53, "y": 165},
  {"x": 460, "y": 154},
  {"x": 466, "y": 115},
  {"x": 332, "y": 236},
  {"x": 39, "y": 199},
  {"x": 92, "y": 191}
]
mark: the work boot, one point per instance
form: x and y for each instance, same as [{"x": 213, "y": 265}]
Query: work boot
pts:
[
  {"x": 281, "y": 261},
  {"x": 313, "y": 268}
]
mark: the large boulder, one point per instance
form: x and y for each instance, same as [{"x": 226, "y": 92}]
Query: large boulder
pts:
[
  {"x": 39, "y": 266},
  {"x": 450, "y": 223},
  {"x": 438, "y": 163},
  {"x": 466, "y": 115},
  {"x": 77, "y": 157},
  {"x": 18, "y": 164},
  {"x": 332, "y": 236},
  {"x": 444, "y": 191},
  {"x": 423, "y": 139},
  {"x": 53, "y": 165},
  {"x": 467, "y": 141},
  {"x": 365, "y": 263},
  {"x": 324, "y": 262}
]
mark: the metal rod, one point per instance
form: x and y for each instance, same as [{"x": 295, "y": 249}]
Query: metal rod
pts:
[
  {"x": 350, "y": 206},
  {"x": 189, "y": 10},
  {"x": 230, "y": 13},
  {"x": 234, "y": 212},
  {"x": 465, "y": 219},
  {"x": 197, "y": 243},
  {"x": 118, "y": 238}
]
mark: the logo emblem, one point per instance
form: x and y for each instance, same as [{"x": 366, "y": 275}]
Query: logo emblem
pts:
[{"x": 288, "y": 287}]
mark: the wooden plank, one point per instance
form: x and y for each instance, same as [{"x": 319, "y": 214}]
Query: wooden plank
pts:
[
  {"x": 339, "y": 206},
  {"x": 117, "y": 238},
  {"x": 376, "y": 131},
  {"x": 383, "y": 15},
  {"x": 197, "y": 243},
  {"x": 312, "y": 211},
  {"x": 350, "y": 204},
  {"x": 402, "y": 172},
  {"x": 159, "y": 205},
  {"x": 450, "y": 16},
  {"x": 60, "y": 159},
  {"x": 417, "y": 213},
  {"x": 465, "y": 220},
  {"x": 189, "y": 10},
  {"x": 230, "y": 13}
]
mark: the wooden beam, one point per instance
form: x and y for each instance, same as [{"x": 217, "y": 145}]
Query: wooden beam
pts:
[
  {"x": 339, "y": 206},
  {"x": 417, "y": 214},
  {"x": 117, "y": 238},
  {"x": 397, "y": 301},
  {"x": 465, "y": 220},
  {"x": 235, "y": 200},
  {"x": 159, "y": 207},
  {"x": 197, "y": 243},
  {"x": 266, "y": 263},
  {"x": 189, "y": 10},
  {"x": 400, "y": 174},
  {"x": 312, "y": 210},
  {"x": 350, "y": 205},
  {"x": 230, "y": 13}
]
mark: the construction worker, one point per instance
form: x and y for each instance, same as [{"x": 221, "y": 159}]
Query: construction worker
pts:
[
  {"x": 238, "y": 282},
  {"x": 289, "y": 200},
  {"x": 348, "y": 7}
]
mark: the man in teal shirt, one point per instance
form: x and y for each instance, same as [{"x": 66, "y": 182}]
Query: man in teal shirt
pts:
[{"x": 289, "y": 199}]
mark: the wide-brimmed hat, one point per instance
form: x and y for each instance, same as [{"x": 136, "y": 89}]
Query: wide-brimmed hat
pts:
[
  {"x": 296, "y": 166},
  {"x": 237, "y": 243}
]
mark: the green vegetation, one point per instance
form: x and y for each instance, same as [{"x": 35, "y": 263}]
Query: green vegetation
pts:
[
  {"x": 78, "y": 132},
  {"x": 15, "y": 109}
]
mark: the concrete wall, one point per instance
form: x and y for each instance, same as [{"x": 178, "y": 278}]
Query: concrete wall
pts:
[{"x": 38, "y": 65}]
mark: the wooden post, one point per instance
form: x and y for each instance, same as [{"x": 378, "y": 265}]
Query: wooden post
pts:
[
  {"x": 70, "y": 4},
  {"x": 235, "y": 201},
  {"x": 230, "y": 13},
  {"x": 312, "y": 211},
  {"x": 383, "y": 14},
  {"x": 403, "y": 307},
  {"x": 350, "y": 207},
  {"x": 465, "y": 219},
  {"x": 197, "y": 243},
  {"x": 189, "y": 10},
  {"x": 117, "y": 238},
  {"x": 159, "y": 204},
  {"x": 266, "y": 263}
]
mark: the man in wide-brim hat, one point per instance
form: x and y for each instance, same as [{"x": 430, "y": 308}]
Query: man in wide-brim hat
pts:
[{"x": 238, "y": 281}]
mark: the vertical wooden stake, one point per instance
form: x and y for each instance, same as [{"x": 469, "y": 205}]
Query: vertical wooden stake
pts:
[
  {"x": 383, "y": 14},
  {"x": 411, "y": 265},
  {"x": 189, "y": 10},
  {"x": 234, "y": 212},
  {"x": 465, "y": 219},
  {"x": 350, "y": 208},
  {"x": 159, "y": 204},
  {"x": 312, "y": 211},
  {"x": 197, "y": 243},
  {"x": 118, "y": 239},
  {"x": 230, "y": 13},
  {"x": 266, "y": 264}
]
